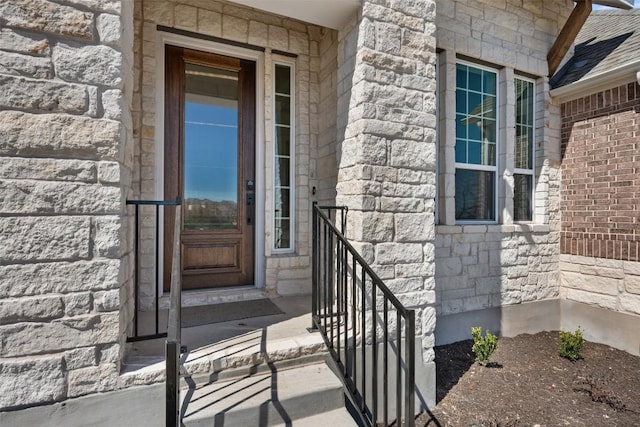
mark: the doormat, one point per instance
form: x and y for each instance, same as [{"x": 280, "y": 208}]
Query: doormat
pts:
[{"x": 206, "y": 314}]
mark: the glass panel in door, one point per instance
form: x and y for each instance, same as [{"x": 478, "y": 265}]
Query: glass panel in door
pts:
[{"x": 210, "y": 148}]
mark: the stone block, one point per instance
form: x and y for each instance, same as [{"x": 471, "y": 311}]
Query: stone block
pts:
[
  {"x": 414, "y": 270},
  {"x": 109, "y": 354},
  {"x": 80, "y": 358},
  {"x": 185, "y": 17},
  {"x": 31, "y": 239},
  {"x": 600, "y": 300},
  {"x": 258, "y": 33},
  {"x": 409, "y": 154},
  {"x": 403, "y": 286},
  {"x": 47, "y": 17},
  {"x": 278, "y": 38},
  {"x": 44, "y": 96},
  {"x": 77, "y": 303},
  {"x": 235, "y": 28},
  {"x": 417, "y": 299},
  {"x": 45, "y": 197},
  {"x": 398, "y": 253},
  {"x": 58, "y": 135},
  {"x": 99, "y": 65},
  {"x": 110, "y": 6},
  {"x": 589, "y": 283},
  {"x": 106, "y": 300},
  {"x": 25, "y": 65},
  {"x": 109, "y": 172},
  {"x": 24, "y": 339},
  {"x": 92, "y": 379},
  {"x": 370, "y": 226},
  {"x": 447, "y": 267},
  {"x": 30, "y": 309},
  {"x": 58, "y": 277},
  {"x": 24, "y": 42},
  {"x": 31, "y": 381},
  {"x": 632, "y": 284},
  {"x": 48, "y": 169},
  {"x": 106, "y": 237},
  {"x": 109, "y": 29},
  {"x": 630, "y": 303},
  {"x": 414, "y": 227},
  {"x": 210, "y": 22}
]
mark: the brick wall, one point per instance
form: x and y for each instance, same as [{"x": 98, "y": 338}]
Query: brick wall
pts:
[
  {"x": 600, "y": 227},
  {"x": 600, "y": 190}
]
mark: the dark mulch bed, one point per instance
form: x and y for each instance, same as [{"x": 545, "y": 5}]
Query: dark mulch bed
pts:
[{"x": 528, "y": 384}]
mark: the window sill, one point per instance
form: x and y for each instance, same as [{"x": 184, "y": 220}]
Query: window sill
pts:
[{"x": 497, "y": 228}]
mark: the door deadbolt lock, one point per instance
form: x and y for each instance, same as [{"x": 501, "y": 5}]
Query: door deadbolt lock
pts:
[{"x": 250, "y": 185}]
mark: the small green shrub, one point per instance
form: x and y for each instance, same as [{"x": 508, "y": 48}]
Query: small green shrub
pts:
[
  {"x": 483, "y": 347},
  {"x": 570, "y": 344}
]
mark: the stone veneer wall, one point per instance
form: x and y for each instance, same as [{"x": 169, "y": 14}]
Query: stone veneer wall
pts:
[
  {"x": 600, "y": 199},
  {"x": 325, "y": 167},
  {"x": 386, "y": 149},
  {"x": 65, "y": 171},
  {"x": 285, "y": 273},
  {"x": 483, "y": 266}
]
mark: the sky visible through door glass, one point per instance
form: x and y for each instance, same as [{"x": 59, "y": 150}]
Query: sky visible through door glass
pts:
[{"x": 211, "y": 150}]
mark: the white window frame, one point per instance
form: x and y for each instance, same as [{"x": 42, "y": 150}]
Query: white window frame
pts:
[
  {"x": 518, "y": 171},
  {"x": 290, "y": 63},
  {"x": 469, "y": 166}
]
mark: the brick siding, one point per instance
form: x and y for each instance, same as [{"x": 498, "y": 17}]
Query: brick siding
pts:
[{"x": 600, "y": 187}]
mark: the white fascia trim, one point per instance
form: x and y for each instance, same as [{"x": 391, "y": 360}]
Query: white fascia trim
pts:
[
  {"x": 619, "y": 4},
  {"x": 624, "y": 73}
]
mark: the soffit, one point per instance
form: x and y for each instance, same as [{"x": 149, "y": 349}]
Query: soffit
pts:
[{"x": 326, "y": 13}]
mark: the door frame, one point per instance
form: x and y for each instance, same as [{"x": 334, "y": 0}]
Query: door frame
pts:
[{"x": 162, "y": 39}]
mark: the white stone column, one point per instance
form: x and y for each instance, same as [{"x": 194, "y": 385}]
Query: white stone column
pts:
[
  {"x": 66, "y": 158},
  {"x": 387, "y": 155}
]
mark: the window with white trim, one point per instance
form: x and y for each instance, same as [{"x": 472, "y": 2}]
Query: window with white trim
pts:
[
  {"x": 523, "y": 172},
  {"x": 476, "y": 146},
  {"x": 283, "y": 158}
]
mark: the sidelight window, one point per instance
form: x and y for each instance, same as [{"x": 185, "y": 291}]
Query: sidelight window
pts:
[{"x": 283, "y": 161}]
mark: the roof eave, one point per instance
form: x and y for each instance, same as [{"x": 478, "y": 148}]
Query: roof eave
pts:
[
  {"x": 619, "y": 4},
  {"x": 625, "y": 73}
]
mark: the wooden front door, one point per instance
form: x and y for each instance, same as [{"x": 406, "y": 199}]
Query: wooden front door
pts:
[{"x": 209, "y": 162}]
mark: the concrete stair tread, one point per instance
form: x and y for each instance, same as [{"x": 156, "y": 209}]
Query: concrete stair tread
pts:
[
  {"x": 265, "y": 399},
  {"x": 336, "y": 418}
]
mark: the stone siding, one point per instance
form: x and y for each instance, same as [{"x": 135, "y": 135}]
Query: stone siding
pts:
[
  {"x": 286, "y": 273},
  {"x": 489, "y": 265},
  {"x": 600, "y": 201},
  {"x": 65, "y": 172},
  {"x": 606, "y": 283},
  {"x": 386, "y": 149},
  {"x": 480, "y": 266}
]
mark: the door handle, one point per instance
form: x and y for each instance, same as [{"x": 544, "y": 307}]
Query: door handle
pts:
[{"x": 250, "y": 202}]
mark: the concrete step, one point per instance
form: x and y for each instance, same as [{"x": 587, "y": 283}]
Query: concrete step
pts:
[
  {"x": 279, "y": 397},
  {"x": 336, "y": 418}
]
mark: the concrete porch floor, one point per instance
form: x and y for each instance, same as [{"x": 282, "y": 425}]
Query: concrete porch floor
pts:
[{"x": 227, "y": 349}]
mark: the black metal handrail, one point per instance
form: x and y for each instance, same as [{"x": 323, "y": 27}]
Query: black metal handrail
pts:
[
  {"x": 174, "y": 330},
  {"x": 347, "y": 312},
  {"x": 136, "y": 336}
]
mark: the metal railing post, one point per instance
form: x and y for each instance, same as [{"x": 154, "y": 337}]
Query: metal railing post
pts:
[
  {"x": 314, "y": 267},
  {"x": 174, "y": 333}
]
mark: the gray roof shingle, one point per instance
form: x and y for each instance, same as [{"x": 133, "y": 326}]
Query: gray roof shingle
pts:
[{"x": 609, "y": 39}]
